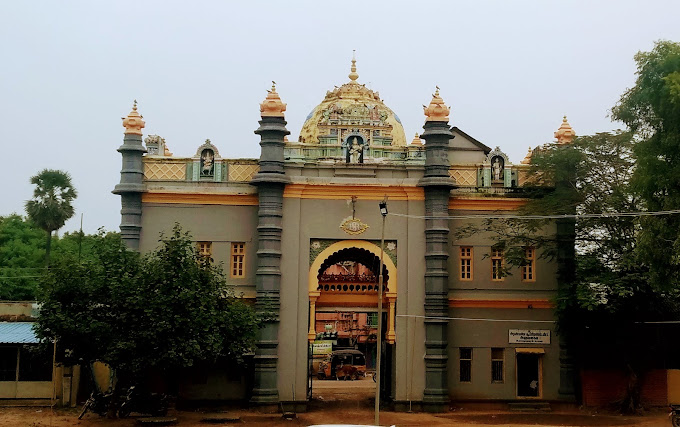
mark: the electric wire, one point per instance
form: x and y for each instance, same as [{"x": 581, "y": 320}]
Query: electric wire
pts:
[{"x": 529, "y": 217}]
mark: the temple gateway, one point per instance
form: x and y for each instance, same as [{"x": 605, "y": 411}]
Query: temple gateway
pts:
[{"x": 299, "y": 232}]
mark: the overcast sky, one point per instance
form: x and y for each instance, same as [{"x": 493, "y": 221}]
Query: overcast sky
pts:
[{"x": 509, "y": 70}]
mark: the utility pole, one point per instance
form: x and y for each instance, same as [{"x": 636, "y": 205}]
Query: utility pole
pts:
[{"x": 383, "y": 212}]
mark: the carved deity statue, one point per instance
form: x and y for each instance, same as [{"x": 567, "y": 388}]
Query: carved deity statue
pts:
[
  {"x": 207, "y": 162},
  {"x": 497, "y": 168},
  {"x": 355, "y": 151}
]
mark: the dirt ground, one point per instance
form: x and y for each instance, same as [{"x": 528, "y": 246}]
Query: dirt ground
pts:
[{"x": 351, "y": 403}]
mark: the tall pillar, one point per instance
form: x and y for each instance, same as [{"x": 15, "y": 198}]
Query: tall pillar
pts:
[
  {"x": 566, "y": 270},
  {"x": 131, "y": 184},
  {"x": 391, "y": 303},
  {"x": 311, "y": 335},
  {"x": 437, "y": 184},
  {"x": 270, "y": 181}
]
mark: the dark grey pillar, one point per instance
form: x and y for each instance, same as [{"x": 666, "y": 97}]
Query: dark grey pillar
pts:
[
  {"x": 566, "y": 274},
  {"x": 437, "y": 184},
  {"x": 130, "y": 189},
  {"x": 271, "y": 181}
]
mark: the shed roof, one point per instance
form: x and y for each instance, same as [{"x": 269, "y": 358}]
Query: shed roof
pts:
[{"x": 17, "y": 333}]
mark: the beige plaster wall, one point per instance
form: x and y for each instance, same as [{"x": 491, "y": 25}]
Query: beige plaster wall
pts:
[
  {"x": 221, "y": 225},
  {"x": 308, "y": 219},
  {"x": 482, "y": 336}
]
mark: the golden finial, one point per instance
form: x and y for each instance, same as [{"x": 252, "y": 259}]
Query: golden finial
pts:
[
  {"x": 417, "y": 140},
  {"x": 437, "y": 111},
  {"x": 272, "y": 105},
  {"x": 133, "y": 123},
  {"x": 353, "y": 76},
  {"x": 565, "y": 134}
]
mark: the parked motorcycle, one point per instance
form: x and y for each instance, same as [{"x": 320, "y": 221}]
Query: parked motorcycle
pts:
[
  {"x": 98, "y": 403},
  {"x": 675, "y": 415},
  {"x": 142, "y": 402}
]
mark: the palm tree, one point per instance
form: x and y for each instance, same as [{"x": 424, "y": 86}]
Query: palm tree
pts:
[{"x": 51, "y": 204}]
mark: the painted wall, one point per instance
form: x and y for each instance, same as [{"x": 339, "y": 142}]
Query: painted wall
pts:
[{"x": 481, "y": 336}]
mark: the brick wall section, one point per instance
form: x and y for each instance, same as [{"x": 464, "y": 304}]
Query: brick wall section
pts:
[{"x": 602, "y": 387}]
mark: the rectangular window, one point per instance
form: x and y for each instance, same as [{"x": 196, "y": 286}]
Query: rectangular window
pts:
[
  {"x": 204, "y": 248},
  {"x": 238, "y": 257},
  {"x": 372, "y": 319},
  {"x": 497, "y": 365},
  {"x": 529, "y": 269},
  {"x": 465, "y": 365},
  {"x": 496, "y": 264},
  {"x": 465, "y": 263}
]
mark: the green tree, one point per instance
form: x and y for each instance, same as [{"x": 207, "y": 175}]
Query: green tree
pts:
[
  {"x": 602, "y": 304},
  {"x": 167, "y": 310},
  {"x": 22, "y": 253},
  {"x": 22, "y": 247},
  {"x": 651, "y": 109},
  {"x": 51, "y": 204}
]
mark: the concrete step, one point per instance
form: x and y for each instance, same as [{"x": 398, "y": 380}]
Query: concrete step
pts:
[{"x": 530, "y": 406}]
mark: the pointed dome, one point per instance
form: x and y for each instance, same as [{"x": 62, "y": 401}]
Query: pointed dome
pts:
[
  {"x": 272, "y": 105},
  {"x": 565, "y": 134},
  {"x": 437, "y": 111},
  {"x": 353, "y": 106},
  {"x": 133, "y": 123}
]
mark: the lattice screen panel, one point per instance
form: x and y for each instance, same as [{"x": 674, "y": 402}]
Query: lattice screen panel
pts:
[
  {"x": 242, "y": 172},
  {"x": 165, "y": 171},
  {"x": 465, "y": 177}
]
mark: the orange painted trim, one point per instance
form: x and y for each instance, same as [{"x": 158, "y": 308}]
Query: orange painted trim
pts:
[
  {"x": 201, "y": 199},
  {"x": 507, "y": 303},
  {"x": 343, "y": 192},
  {"x": 486, "y": 203}
]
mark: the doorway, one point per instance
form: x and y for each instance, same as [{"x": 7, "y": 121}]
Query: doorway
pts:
[{"x": 529, "y": 378}]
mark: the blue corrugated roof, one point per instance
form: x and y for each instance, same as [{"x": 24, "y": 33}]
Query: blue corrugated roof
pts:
[{"x": 17, "y": 333}]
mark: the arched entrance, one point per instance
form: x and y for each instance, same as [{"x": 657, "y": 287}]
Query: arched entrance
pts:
[
  {"x": 343, "y": 317},
  {"x": 345, "y": 275}
]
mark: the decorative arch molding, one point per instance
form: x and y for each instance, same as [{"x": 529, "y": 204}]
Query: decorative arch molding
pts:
[
  {"x": 347, "y": 244},
  {"x": 391, "y": 285}
]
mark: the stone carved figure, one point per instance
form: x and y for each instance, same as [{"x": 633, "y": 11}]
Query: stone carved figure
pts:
[
  {"x": 207, "y": 162},
  {"x": 497, "y": 169},
  {"x": 355, "y": 150}
]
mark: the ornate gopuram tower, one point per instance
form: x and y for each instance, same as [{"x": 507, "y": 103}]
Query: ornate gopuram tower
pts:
[
  {"x": 270, "y": 182},
  {"x": 131, "y": 184},
  {"x": 437, "y": 184}
]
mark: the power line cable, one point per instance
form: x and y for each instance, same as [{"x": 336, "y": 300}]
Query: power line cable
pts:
[{"x": 527, "y": 217}]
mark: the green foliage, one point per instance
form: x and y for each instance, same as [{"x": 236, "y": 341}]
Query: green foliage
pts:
[
  {"x": 651, "y": 109},
  {"x": 51, "y": 204},
  {"x": 166, "y": 310},
  {"x": 22, "y": 248}
]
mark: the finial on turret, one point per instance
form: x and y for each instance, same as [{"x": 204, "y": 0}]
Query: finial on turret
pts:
[
  {"x": 437, "y": 111},
  {"x": 417, "y": 140},
  {"x": 272, "y": 105},
  {"x": 353, "y": 76},
  {"x": 565, "y": 134},
  {"x": 527, "y": 158},
  {"x": 133, "y": 123}
]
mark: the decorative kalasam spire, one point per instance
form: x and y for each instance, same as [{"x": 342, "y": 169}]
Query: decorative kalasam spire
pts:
[
  {"x": 527, "y": 158},
  {"x": 417, "y": 140},
  {"x": 437, "y": 111},
  {"x": 272, "y": 105},
  {"x": 353, "y": 76},
  {"x": 133, "y": 123},
  {"x": 565, "y": 134}
]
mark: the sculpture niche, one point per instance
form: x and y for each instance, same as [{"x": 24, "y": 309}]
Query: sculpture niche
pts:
[{"x": 355, "y": 150}]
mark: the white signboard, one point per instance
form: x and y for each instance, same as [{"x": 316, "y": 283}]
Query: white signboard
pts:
[
  {"x": 322, "y": 347},
  {"x": 529, "y": 336}
]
